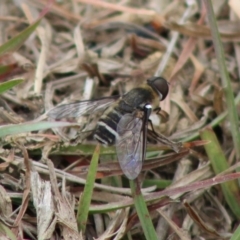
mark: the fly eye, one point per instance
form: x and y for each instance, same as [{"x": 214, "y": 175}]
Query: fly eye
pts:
[{"x": 160, "y": 85}]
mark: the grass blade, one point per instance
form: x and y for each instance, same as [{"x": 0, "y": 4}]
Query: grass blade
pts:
[
  {"x": 29, "y": 126},
  {"x": 226, "y": 83},
  {"x": 219, "y": 163},
  {"x": 85, "y": 198},
  {"x": 6, "y": 231},
  {"x": 14, "y": 43},
  {"x": 142, "y": 211},
  {"x": 9, "y": 84},
  {"x": 236, "y": 234}
]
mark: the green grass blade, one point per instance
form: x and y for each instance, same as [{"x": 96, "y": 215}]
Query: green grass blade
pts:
[
  {"x": 85, "y": 198},
  {"x": 142, "y": 211},
  {"x": 6, "y": 231},
  {"x": 226, "y": 82},
  {"x": 9, "y": 84},
  {"x": 219, "y": 163},
  {"x": 29, "y": 126},
  {"x": 159, "y": 183},
  {"x": 214, "y": 122},
  {"x": 85, "y": 149},
  {"x": 236, "y": 234},
  {"x": 14, "y": 43}
]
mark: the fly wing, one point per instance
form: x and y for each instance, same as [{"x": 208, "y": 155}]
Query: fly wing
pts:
[
  {"x": 81, "y": 108},
  {"x": 130, "y": 145}
]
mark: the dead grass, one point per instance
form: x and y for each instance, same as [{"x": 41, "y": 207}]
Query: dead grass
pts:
[{"x": 82, "y": 51}]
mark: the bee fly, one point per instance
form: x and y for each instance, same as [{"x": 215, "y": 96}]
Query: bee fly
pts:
[{"x": 124, "y": 121}]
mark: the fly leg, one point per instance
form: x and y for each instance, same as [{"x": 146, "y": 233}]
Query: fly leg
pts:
[
  {"x": 157, "y": 110},
  {"x": 162, "y": 139}
]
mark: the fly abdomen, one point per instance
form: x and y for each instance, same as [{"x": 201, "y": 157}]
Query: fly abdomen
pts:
[{"x": 106, "y": 128}]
